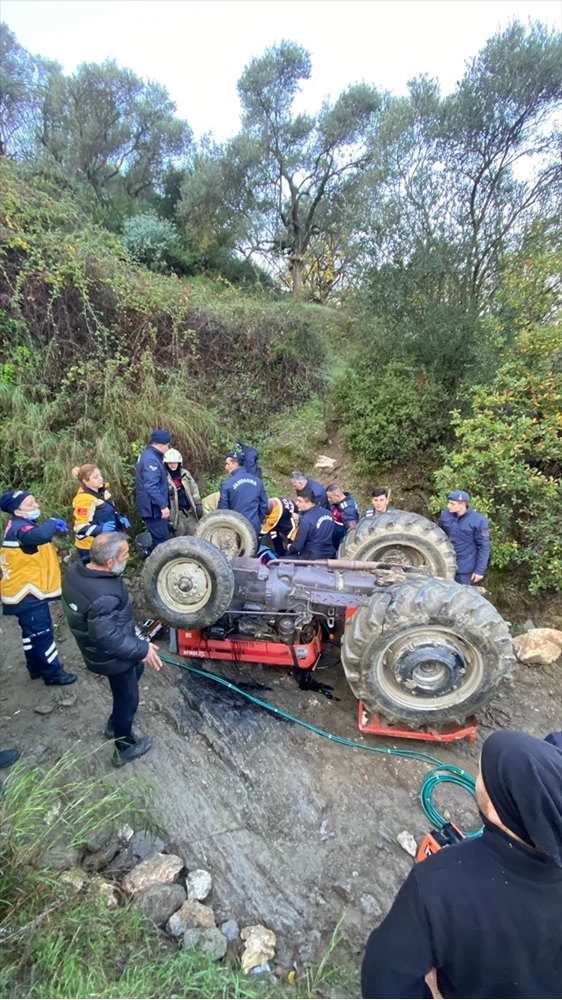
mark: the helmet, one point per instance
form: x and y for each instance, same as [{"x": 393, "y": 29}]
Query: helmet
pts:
[{"x": 172, "y": 455}]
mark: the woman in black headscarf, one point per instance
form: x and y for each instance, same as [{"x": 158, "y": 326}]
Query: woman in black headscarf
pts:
[{"x": 483, "y": 918}]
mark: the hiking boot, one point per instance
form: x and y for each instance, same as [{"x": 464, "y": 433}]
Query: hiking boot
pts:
[
  {"x": 134, "y": 750},
  {"x": 61, "y": 677},
  {"x": 35, "y": 675},
  {"x": 8, "y": 757},
  {"x": 109, "y": 732}
]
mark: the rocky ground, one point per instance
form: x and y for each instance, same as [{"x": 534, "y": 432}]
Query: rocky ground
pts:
[{"x": 298, "y": 832}]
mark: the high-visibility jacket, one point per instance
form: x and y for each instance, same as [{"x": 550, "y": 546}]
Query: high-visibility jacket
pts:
[
  {"x": 30, "y": 565},
  {"x": 92, "y": 509},
  {"x": 282, "y": 517}
]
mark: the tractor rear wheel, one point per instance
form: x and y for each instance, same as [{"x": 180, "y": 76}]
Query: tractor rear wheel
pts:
[
  {"x": 401, "y": 537},
  {"x": 427, "y": 653},
  {"x": 230, "y": 532},
  {"x": 188, "y": 582}
]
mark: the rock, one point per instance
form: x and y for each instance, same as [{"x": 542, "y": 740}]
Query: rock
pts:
[
  {"x": 190, "y": 914},
  {"x": 39, "y": 751},
  {"x": 107, "y": 891},
  {"x": 199, "y": 884},
  {"x": 125, "y": 833},
  {"x": 154, "y": 869},
  {"x": 540, "y": 645},
  {"x": 231, "y": 930},
  {"x": 68, "y": 700},
  {"x": 370, "y": 906},
  {"x": 44, "y": 708},
  {"x": 344, "y": 890},
  {"x": 160, "y": 901},
  {"x": 143, "y": 844},
  {"x": 529, "y": 625},
  {"x": 74, "y": 878},
  {"x": 309, "y": 947},
  {"x": 325, "y": 462},
  {"x": 59, "y": 858},
  {"x": 103, "y": 856},
  {"x": 209, "y": 940},
  {"x": 407, "y": 842},
  {"x": 259, "y": 948}
]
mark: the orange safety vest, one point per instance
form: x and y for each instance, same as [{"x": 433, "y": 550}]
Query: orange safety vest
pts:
[{"x": 25, "y": 573}]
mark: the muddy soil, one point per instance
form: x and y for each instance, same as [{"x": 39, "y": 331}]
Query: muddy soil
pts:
[{"x": 297, "y": 831}]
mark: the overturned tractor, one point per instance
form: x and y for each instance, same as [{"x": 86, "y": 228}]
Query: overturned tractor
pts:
[{"x": 417, "y": 648}]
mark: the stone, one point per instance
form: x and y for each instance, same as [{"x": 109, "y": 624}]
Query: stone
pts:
[
  {"x": 190, "y": 914},
  {"x": 343, "y": 889},
  {"x": 154, "y": 869},
  {"x": 370, "y": 906},
  {"x": 160, "y": 901},
  {"x": 103, "y": 856},
  {"x": 309, "y": 947},
  {"x": 259, "y": 946},
  {"x": 143, "y": 843},
  {"x": 59, "y": 858},
  {"x": 231, "y": 930},
  {"x": 199, "y": 884},
  {"x": 107, "y": 891},
  {"x": 75, "y": 878},
  {"x": 125, "y": 833},
  {"x": 529, "y": 625},
  {"x": 325, "y": 462},
  {"x": 208, "y": 940},
  {"x": 68, "y": 700},
  {"x": 540, "y": 645},
  {"x": 39, "y": 751},
  {"x": 44, "y": 708},
  {"x": 407, "y": 843}
]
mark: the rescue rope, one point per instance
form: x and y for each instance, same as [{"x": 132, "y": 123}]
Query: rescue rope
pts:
[{"x": 440, "y": 772}]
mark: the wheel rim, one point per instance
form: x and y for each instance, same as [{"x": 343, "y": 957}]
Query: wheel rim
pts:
[
  {"x": 429, "y": 668},
  {"x": 401, "y": 555},
  {"x": 184, "y": 585},
  {"x": 226, "y": 539}
]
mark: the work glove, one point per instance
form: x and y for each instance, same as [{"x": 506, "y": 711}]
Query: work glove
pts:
[
  {"x": 199, "y": 510},
  {"x": 61, "y": 525},
  {"x": 124, "y": 521},
  {"x": 108, "y": 526}
]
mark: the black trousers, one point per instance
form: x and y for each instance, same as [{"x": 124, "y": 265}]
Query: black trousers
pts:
[
  {"x": 125, "y": 690},
  {"x": 39, "y": 646}
]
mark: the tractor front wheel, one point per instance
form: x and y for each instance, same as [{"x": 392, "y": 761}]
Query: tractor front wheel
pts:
[
  {"x": 230, "y": 532},
  {"x": 188, "y": 582}
]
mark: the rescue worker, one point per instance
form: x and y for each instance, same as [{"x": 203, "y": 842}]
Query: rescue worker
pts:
[
  {"x": 379, "y": 499},
  {"x": 183, "y": 493},
  {"x": 281, "y": 523},
  {"x": 250, "y": 458},
  {"x": 94, "y": 509},
  {"x": 152, "y": 487},
  {"x": 315, "y": 536},
  {"x": 300, "y": 482},
  {"x": 470, "y": 535},
  {"x": 31, "y": 578},
  {"x": 99, "y": 612},
  {"x": 243, "y": 492},
  {"x": 344, "y": 511}
]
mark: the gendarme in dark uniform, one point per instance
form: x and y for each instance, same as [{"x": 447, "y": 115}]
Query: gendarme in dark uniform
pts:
[
  {"x": 315, "y": 537},
  {"x": 243, "y": 492}
]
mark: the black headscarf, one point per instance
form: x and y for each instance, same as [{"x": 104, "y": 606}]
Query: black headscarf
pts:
[{"x": 523, "y": 777}]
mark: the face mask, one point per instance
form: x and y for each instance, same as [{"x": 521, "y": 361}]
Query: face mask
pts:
[
  {"x": 119, "y": 567},
  {"x": 32, "y": 515}
]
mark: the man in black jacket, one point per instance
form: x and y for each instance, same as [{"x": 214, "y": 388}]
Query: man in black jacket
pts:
[
  {"x": 316, "y": 529},
  {"x": 98, "y": 609},
  {"x": 482, "y": 918}
]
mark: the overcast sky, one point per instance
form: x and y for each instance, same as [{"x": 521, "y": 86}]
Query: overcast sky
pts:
[{"x": 198, "y": 48}]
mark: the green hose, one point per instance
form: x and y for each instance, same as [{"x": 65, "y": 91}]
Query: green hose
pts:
[{"x": 440, "y": 772}]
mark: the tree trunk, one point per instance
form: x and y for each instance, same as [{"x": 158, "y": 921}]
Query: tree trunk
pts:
[{"x": 296, "y": 275}]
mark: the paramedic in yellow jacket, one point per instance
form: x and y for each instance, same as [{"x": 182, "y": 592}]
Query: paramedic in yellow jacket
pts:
[
  {"x": 30, "y": 579},
  {"x": 281, "y": 523},
  {"x": 94, "y": 509}
]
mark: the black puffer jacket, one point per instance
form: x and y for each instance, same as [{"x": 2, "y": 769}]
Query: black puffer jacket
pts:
[{"x": 100, "y": 614}]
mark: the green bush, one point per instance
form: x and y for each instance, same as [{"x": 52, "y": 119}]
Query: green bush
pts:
[
  {"x": 509, "y": 456},
  {"x": 151, "y": 241},
  {"x": 390, "y": 414}
]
